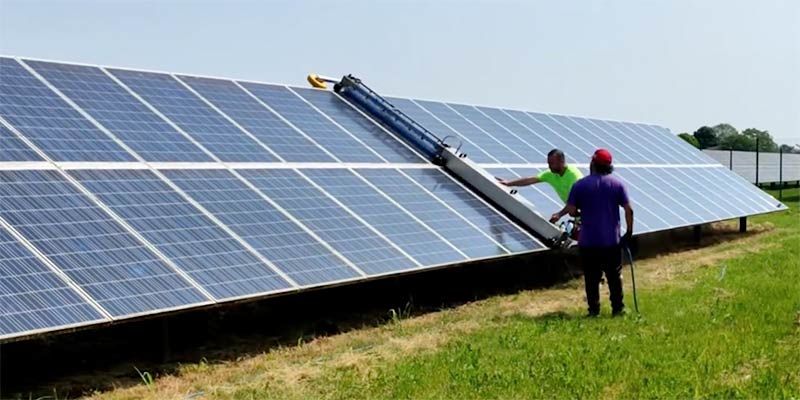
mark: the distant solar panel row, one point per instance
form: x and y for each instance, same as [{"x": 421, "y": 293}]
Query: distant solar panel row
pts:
[{"x": 772, "y": 167}]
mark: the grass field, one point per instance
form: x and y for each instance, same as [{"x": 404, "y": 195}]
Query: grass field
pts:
[{"x": 718, "y": 321}]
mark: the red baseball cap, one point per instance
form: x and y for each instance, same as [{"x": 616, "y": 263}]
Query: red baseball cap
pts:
[{"x": 602, "y": 157}]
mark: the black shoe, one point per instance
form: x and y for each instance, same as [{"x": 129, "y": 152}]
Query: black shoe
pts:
[
  {"x": 619, "y": 313},
  {"x": 593, "y": 314}
]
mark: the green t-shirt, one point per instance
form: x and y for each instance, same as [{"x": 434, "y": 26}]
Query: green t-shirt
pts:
[{"x": 561, "y": 183}]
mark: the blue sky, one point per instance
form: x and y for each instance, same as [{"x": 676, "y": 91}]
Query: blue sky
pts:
[{"x": 677, "y": 63}]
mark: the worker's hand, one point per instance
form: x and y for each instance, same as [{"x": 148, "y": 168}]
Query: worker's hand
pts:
[
  {"x": 626, "y": 240},
  {"x": 554, "y": 218},
  {"x": 501, "y": 181}
]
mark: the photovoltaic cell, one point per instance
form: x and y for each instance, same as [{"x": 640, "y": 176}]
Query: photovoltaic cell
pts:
[
  {"x": 262, "y": 123},
  {"x": 357, "y": 124},
  {"x": 14, "y": 149},
  {"x": 349, "y": 236},
  {"x": 428, "y": 208},
  {"x": 194, "y": 116},
  {"x": 387, "y": 217},
  {"x": 49, "y": 122},
  {"x": 33, "y": 297},
  {"x": 261, "y": 225},
  {"x": 182, "y": 232},
  {"x": 306, "y": 118},
  {"x": 120, "y": 112},
  {"x": 96, "y": 252}
]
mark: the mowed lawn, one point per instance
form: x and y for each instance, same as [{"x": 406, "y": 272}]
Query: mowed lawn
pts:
[{"x": 719, "y": 321}]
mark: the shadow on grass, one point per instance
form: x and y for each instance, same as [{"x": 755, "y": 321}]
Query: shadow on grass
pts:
[{"x": 103, "y": 358}]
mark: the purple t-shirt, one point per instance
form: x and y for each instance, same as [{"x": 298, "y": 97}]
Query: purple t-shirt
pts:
[{"x": 598, "y": 197}]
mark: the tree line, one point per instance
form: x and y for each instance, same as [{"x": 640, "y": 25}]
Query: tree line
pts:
[{"x": 726, "y": 137}]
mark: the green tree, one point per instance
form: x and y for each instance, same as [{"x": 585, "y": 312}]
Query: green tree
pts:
[
  {"x": 724, "y": 131},
  {"x": 765, "y": 141},
  {"x": 689, "y": 139},
  {"x": 706, "y": 137},
  {"x": 738, "y": 142}
]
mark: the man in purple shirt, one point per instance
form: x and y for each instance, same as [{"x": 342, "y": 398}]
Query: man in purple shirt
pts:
[{"x": 598, "y": 197}]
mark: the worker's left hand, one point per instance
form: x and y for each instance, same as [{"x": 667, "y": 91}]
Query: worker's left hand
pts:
[
  {"x": 626, "y": 240},
  {"x": 554, "y": 218}
]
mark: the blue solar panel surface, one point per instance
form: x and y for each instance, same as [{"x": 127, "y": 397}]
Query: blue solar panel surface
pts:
[
  {"x": 183, "y": 233},
  {"x": 194, "y": 116},
  {"x": 369, "y": 133},
  {"x": 400, "y": 225},
  {"x": 302, "y": 115},
  {"x": 474, "y": 210},
  {"x": 475, "y": 241},
  {"x": 120, "y": 112},
  {"x": 290, "y": 144},
  {"x": 96, "y": 252},
  {"x": 279, "y": 239},
  {"x": 14, "y": 149},
  {"x": 32, "y": 296},
  {"x": 49, "y": 122},
  {"x": 350, "y": 237}
]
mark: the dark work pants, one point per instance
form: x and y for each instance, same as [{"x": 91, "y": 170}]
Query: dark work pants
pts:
[{"x": 596, "y": 261}]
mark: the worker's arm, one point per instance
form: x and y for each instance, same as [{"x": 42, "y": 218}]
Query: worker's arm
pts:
[
  {"x": 568, "y": 209},
  {"x": 628, "y": 219},
  {"x": 531, "y": 180}
]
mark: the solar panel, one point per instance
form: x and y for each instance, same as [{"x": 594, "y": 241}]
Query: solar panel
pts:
[
  {"x": 474, "y": 210},
  {"x": 183, "y": 233},
  {"x": 194, "y": 117},
  {"x": 353, "y": 239},
  {"x": 120, "y": 112},
  {"x": 98, "y": 254},
  {"x": 476, "y": 240},
  {"x": 369, "y": 133},
  {"x": 301, "y": 114},
  {"x": 279, "y": 239},
  {"x": 401, "y": 226},
  {"x": 160, "y": 192},
  {"x": 471, "y": 133},
  {"x": 287, "y": 142},
  {"x": 32, "y": 296},
  {"x": 47, "y": 120}
]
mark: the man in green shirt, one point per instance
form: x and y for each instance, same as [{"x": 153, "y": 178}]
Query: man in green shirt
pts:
[{"x": 560, "y": 176}]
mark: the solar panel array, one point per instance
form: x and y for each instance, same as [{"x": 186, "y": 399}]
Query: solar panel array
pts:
[
  {"x": 772, "y": 167},
  {"x": 125, "y": 193}
]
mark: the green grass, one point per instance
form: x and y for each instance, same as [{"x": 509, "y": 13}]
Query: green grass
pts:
[
  {"x": 733, "y": 333},
  {"x": 726, "y": 326}
]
